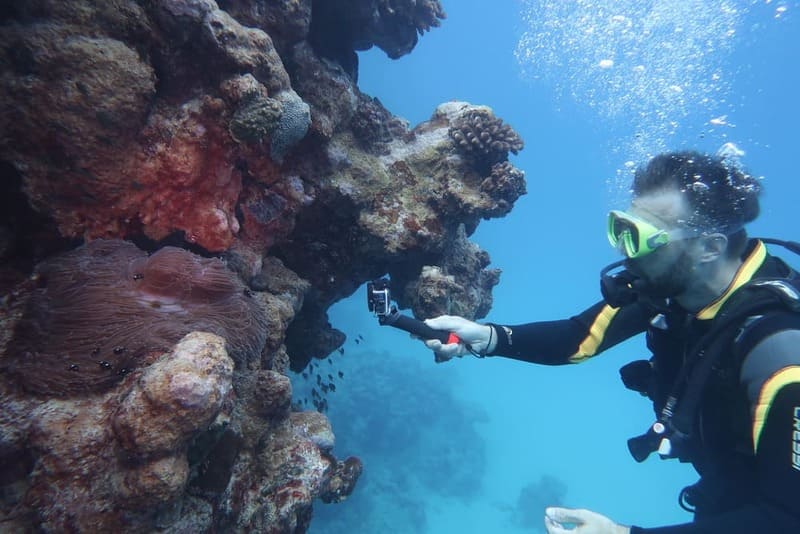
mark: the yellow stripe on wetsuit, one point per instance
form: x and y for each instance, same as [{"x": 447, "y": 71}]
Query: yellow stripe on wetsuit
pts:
[
  {"x": 784, "y": 377},
  {"x": 744, "y": 274},
  {"x": 597, "y": 332}
]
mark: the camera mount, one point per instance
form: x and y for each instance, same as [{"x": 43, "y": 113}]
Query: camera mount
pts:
[{"x": 379, "y": 302}]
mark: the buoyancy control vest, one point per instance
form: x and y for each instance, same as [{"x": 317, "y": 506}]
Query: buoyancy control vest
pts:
[{"x": 693, "y": 375}]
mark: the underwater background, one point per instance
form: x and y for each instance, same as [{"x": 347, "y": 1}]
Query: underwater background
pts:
[{"x": 594, "y": 88}]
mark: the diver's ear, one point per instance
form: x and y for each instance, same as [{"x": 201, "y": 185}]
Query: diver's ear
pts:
[{"x": 712, "y": 247}]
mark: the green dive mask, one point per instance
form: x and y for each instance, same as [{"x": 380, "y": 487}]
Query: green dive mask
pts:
[{"x": 637, "y": 237}]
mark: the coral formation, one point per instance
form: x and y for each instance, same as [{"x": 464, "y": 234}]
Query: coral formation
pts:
[
  {"x": 480, "y": 135},
  {"x": 459, "y": 285},
  {"x": 506, "y": 183},
  {"x": 373, "y": 126},
  {"x": 102, "y": 310},
  {"x": 339, "y": 27},
  {"x": 292, "y": 125},
  {"x": 330, "y": 92},
  {"x": 231, "y": 129},
  {"x": 255, "y": 119},
  {"x": 101, "y": 463}
]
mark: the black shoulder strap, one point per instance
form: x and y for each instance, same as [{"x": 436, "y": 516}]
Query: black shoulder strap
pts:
[
  {"x": 786, "y": 317},
  {"x": 758, "y": 297},
  {"x": 788, "y": 245}
]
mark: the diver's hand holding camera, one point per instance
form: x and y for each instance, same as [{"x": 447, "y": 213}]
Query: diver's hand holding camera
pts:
[
  {"x": 474, "y": 338},
  {"x": 447, "y": 335}
]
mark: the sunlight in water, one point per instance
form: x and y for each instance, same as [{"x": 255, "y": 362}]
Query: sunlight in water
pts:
[{"x": 647, "y": 68}]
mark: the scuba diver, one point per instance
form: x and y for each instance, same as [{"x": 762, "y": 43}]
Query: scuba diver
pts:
[{"x": 722, "y": 321}]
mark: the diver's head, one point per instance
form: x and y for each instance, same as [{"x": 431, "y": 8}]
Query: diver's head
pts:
[
  {"x": 686, "y": 222},
  {"x": 720, "y": 196}
]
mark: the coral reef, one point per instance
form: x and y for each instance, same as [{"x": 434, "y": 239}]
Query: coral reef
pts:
[
  {"x": 373, "y": 126},
  {"x": 484, "y": 137},
  {"x": 83, "y": 327},
  {"x": 505, "y": 183},
  {"x": 339, "y": 27},
  {"x": 459, "y": 285},
  {"x": 191, "y": 166},
  {"x": 256, "y": 118},
  {"x": 292, "y": 125}
]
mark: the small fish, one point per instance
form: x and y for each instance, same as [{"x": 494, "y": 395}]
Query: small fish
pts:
[
  {"x": 341, "y": 374},
  {"x": 305, "y": 376},
  {"x": 330, "y": 361},
  {"x": 341, "y": 350},
  {"x": 314, "y": 392},
  {"x": 357, "y": 341},
  {"x": 332, "y": 386},
  {"x": 330, "y": 377},
  {"x": 360, "y": 337}
]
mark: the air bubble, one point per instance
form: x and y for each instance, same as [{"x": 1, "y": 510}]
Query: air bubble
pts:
[{"x": 648, "y": 66}]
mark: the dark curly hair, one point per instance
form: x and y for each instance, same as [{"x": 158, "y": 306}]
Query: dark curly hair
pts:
[{"x": 722, "y": 196}]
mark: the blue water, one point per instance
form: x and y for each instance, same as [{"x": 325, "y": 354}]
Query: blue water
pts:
[{"x": 482, "y": 445}]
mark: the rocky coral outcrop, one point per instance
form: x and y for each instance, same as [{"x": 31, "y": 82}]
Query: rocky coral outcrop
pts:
[
  {"x": 461, "y": 285},
  {"x": 231, "y": 133},
  {"x": 340, "y": 27}
]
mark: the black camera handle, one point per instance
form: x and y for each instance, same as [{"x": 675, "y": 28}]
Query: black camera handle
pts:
[{"x": 415, "y": 326}]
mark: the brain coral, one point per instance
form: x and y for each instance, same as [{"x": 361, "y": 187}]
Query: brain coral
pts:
[
  {"x": 485, "y": 137},
  {"x": 292, "y": 126},
  {"x": 106, "y": 308}
]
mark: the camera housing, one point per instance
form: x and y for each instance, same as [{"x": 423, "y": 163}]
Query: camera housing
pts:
[{"x": 379, "y": 300}]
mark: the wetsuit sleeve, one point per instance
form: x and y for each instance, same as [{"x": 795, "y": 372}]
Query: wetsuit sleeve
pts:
[
  {"x": 571, "y": 340},
  {"x": 771, "y": 378}
]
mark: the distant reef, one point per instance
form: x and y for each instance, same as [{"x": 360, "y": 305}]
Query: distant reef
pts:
[{"x": 186, "y": 187}]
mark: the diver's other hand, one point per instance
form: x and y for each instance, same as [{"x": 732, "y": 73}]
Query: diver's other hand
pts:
[
  {"x": 556, "y": 521},
  {"x": 480, "y": 338}
]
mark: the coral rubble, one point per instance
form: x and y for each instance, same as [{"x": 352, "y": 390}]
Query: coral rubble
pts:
[{"x": 188, "y": 186}]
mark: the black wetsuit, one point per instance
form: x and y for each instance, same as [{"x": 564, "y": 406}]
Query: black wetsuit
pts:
[{"x": 749, "y": 416}]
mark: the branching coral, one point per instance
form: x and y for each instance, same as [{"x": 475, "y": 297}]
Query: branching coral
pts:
[
  {"x": 484, "y": 137},
  {"x": 505, "y": 185},
  {"x": 104, "y": 309}
]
